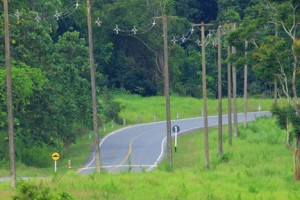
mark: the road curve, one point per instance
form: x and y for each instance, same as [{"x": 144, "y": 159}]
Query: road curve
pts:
[{"x": 142, "y": 147}]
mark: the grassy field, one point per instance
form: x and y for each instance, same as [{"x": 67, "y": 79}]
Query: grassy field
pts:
[
  {"x": 256, "y": 166},
  {"x": 137, "y": 108}
]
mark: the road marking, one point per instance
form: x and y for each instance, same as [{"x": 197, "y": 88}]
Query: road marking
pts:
[
  {"x": 128, "y": 153},
  {"x": 114, "y": 166},
  {"x": 101, "y": 142},
  {"x": 261, "y": 113}
]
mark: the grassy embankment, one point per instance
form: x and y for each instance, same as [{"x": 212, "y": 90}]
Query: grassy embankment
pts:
[{"x": 257, "y": 166}]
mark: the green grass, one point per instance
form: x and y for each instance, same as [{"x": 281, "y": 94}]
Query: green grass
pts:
[
  {"x": 143, "y": 109},
  {"x": 256, "y": 166}
]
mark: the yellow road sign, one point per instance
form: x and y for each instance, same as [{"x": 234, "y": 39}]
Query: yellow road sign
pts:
[{"x": 55, "y": 156}]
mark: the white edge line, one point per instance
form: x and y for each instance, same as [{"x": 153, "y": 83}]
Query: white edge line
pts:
[
  {"x": 160, "y": 156},
  {"x": 188, "y": 130},
  {"x": 162, "y": 144},
  {"x": 90, "y": 163}
]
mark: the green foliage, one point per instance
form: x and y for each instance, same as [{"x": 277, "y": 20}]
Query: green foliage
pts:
[
  {"x": 26, "y": 81},
  {"x": 287, "y": 116},
  {"x": 109, "y": 108},
  {"x": 36, "y": 156},
  {"x": 284, "y": 115},
  {"x": 51, "y": 95},
  {"x": 29, "y": 191}
]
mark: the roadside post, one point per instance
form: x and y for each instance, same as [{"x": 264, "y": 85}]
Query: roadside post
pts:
[
  {"x": 55, "y": 157},
  {"x": 69, "y": 164},
  {"x": 176, "y": 130}
]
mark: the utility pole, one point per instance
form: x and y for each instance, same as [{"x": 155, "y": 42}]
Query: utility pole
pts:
[
  {"x": 166, "y": 89},
  {"x": 275, "y": 79},
  {"x": 9, "y": 99},
  {"x": 245, "y": 86},
  {"x": 220, "y": 124},
  {"x": 93, "y": 83},
  {"x": 204, "y": 90},
  {"x": 235, "y": 121},
  {"x": 229, "y": 98}
]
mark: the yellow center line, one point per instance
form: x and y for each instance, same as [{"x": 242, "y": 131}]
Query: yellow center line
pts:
[{"x": 128, "y": 154}]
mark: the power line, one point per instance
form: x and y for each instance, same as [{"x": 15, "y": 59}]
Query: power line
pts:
[{"x": 41, "y": 15}]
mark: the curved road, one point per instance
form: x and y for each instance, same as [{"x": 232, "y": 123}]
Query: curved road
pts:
[{"x": 141, "y": 147}]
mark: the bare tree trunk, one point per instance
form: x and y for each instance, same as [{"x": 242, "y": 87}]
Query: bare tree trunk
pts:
[
  {"x": 297, "y": 159},
  {"x": 275, "y": 92},
  {"x": 229, "y": 99},
  {"x": 9, "y": 100},
  {"x": 294, "y": 88},
  {"x": 220, "y": 124},
  {"x": 291, "y": 32},
  {"x": 245, "y": 87}
]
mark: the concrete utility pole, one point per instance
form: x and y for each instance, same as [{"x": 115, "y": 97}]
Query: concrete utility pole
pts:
[
  {"x": 166, "y": 89},
  {"x": 245, "y": 86},
  {"x": 93, "y": 83},
  {"x": 275, "y": 79},
  {"x": 235, "y": 121},
  {"x": 220, "y": 124},
  {"x": 229, "y": 98},
  {"x": 204, "y": 90},
  {"x": 207, "y": 163},
  {"x": 9, "y": 99}
]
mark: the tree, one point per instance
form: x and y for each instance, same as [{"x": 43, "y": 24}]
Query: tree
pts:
[{"x": 288, "y": 119}]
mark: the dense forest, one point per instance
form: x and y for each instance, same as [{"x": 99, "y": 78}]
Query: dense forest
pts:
[{"x": 50, "y": 58}]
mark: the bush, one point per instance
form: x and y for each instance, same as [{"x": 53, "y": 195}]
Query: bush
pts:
[
  {"x": 108, "y": 108},
  {"x": 27, "y": 191},
  {"x": 35, "y": 155}
]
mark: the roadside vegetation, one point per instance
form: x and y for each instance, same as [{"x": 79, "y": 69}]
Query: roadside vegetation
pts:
[
  {"x": 135, "y": 109},
  {"x": 257, "y": 166}
]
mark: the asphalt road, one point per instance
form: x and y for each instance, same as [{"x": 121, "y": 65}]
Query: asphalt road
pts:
[{"x": 142, "y": 147}]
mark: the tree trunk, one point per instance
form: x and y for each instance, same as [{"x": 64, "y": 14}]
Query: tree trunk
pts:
[
  {"x": 275, "y": 92},
  {"x": 294, "y": 83},
  {"x": 297, "y": 159}
]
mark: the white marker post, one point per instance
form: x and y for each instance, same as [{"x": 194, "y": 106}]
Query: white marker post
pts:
[{"x": 175, "y": 130}]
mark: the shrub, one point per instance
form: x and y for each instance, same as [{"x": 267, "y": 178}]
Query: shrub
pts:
[{"x": 27, "y": 191}]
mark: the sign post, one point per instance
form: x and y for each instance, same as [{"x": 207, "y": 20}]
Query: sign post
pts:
[
  {"x": 176, "y": 130},
  {"x": 55, "y": 157}
]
